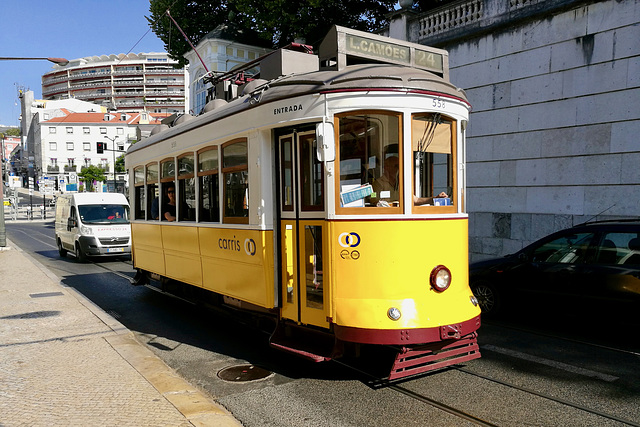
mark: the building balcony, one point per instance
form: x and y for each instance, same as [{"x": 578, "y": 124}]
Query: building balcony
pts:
[
  {"x": 54, "y": 91},
  {"x": 53, "y": 168},
  {"x": 54, "y": 80},
  {"x": 70, "y": 168},
  {"x": 89, "y": 75},
  {"x": 93, "y": 95},
  {"x": 105, "y": 83}
]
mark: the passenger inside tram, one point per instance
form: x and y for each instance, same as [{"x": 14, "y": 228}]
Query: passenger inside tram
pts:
[{"x": 169, "y": 206}]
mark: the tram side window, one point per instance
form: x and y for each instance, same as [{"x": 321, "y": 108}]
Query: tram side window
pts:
[
  {"x": 432, "y": 145},
  {"x": 370, "y": 166},
  {"x": 186, "y": 188},
  {"x": 235, "y": 169},
  {"x": 208, "y": 182},
  {"x": 139, "y": 202},
  {"x": 168, "y": 211},
  {"x": 152, "y": 192}
]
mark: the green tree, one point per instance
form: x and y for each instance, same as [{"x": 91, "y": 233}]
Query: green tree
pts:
[
  {"x": 268, "y": 23},
  {"x": 13, "y": 132},
  {"x": 91, "y": 173},
  {"x": 120, "y": 164}
]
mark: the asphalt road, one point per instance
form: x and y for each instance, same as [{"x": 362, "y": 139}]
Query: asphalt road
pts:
[{"x": 562, "y": 371}]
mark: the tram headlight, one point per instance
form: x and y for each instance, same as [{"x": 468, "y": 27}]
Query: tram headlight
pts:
[
  {"x": 440, "y": 278},
  {"x": 394, "y": 313}
]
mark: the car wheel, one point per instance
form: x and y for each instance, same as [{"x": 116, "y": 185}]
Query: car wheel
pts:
[
  {"x": 80, "y": 256},
  {"x": 62, "y": 251},
  {"x": 487, "y": 296}
]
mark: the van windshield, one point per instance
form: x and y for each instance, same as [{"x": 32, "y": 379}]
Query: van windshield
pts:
[{"x": 104, "y": 214}]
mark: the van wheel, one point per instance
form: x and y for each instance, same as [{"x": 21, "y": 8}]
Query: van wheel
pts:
[
  {"x": 80, "y": 256},
  {"x": 62, "y": 251}
]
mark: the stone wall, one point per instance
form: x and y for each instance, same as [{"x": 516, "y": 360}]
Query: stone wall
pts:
[{"x": 554, "y": 136}]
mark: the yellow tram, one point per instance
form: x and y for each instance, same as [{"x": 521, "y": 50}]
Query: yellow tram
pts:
[{"x": 329, "y": 194}]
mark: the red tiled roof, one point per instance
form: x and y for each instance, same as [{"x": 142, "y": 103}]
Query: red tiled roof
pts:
[{"x": 115, "y": 118}]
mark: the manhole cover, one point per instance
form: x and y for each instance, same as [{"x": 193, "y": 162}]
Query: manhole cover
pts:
[{"x": 242, "y": 373}]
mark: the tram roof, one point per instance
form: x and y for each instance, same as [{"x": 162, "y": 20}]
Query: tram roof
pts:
[{"x": 352, "y": 78}]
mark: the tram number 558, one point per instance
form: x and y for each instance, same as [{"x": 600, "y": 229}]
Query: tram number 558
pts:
[{"x": 438, "y": 103}]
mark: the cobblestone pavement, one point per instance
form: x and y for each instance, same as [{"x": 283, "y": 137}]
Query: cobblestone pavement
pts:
[{"x": 65, "y": 362}]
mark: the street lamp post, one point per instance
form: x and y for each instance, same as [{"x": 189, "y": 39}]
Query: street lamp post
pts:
[
  {"x": 59, "y": 61},
  {"x": 3, "y": 231},
  {"x": 113, "y": 141}
]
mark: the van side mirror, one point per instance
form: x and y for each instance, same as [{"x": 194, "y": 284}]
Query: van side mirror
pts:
[
  {"x": 325, "y": 145},
  {"x": 71, "y": 223}
]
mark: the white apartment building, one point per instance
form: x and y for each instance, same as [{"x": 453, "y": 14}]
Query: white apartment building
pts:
[
  {"x": 129, "y": 83},
  {"x": 220, "y": 50},
  {"x": 68, "y": 142}
]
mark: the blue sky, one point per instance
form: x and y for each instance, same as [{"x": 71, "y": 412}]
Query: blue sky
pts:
[{"x": 68, "y": 29}]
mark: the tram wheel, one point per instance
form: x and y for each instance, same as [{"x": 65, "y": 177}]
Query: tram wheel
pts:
[{"x": 488, "y": 297}]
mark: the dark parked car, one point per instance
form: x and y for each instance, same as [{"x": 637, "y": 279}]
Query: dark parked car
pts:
[{"x": 590, "y": 265}]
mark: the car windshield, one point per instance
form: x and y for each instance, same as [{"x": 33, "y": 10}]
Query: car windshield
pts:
[
  {"x": 104, "y": 214},
  {"x": 568, "y": 249}
]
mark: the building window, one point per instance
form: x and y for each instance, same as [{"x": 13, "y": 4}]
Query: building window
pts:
[
  {"x": 54, "y": 162},
  {"x": 53, "y": 146},
  {"x": 121, "y": 147},
  {"x": 52, "y": 129},
  {"x": 46, "y": 116},
  {"x": 69, "y": 129},
  {"x": 87, "y": 162},
  {"x": 229, "y": 51},
  {"x": 120, "y": 131},
  {"x": 103, "y": 131},
  {"x": 69, "y": 146},
  {"x": 86, "y": 146},
  {"x": 71, "y": 162},
  {"x": 86, "y": 130},
  {"x": 200, "y": 93}
]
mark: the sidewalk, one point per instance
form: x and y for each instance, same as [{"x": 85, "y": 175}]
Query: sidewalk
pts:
[{"x": 65, "y": 362}]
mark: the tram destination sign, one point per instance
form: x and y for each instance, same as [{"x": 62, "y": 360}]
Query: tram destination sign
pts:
[
  {"x": 391, "y": 52},
  {"x": 342, "y": 45}
]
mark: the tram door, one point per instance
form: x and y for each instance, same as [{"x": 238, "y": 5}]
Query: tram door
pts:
[{"x": 302, "y": 230}]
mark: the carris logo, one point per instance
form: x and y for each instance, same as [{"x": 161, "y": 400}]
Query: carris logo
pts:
[{"x": 349, "y": 240}]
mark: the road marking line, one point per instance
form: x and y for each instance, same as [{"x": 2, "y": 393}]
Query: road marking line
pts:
[{"x": 552, "y": 363}]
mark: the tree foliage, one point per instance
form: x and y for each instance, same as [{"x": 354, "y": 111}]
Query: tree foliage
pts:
[
  {"x": 91, "y": 173},
  {"x": 267, "y": 23}
]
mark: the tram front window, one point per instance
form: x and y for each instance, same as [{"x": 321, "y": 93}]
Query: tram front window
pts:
[
  {"x": 370, "y": 167},
  {"x": 432, "y": 142}
]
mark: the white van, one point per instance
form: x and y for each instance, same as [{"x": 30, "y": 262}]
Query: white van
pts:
[{"x": 93, "y": 224}]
